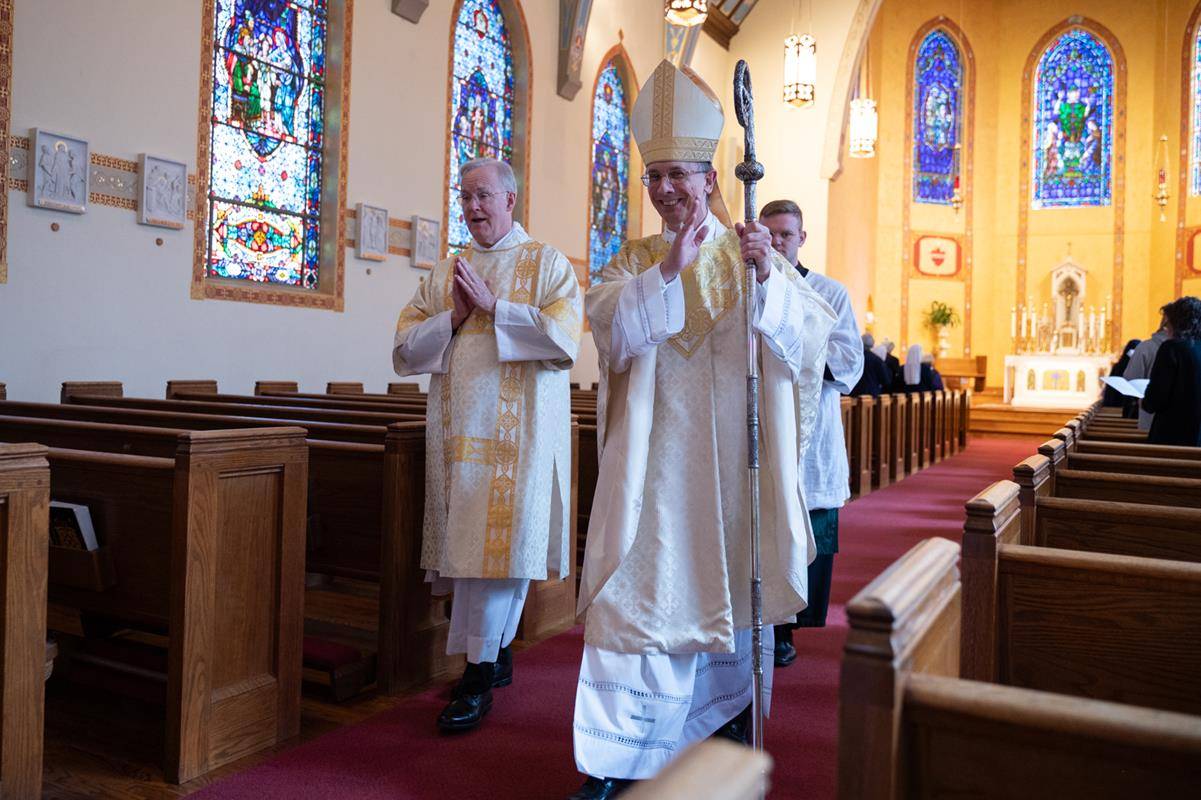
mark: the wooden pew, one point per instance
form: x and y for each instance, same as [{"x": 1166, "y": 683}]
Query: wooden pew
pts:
[
  {"x": 406, "y": 404},
  {"x": 896, "y": 444},
  {"x": 1095, "y": 598},
  {"x": 24, "y": 529},
  {"x": 384, "y": 416},
  {"x": 846, "y": 407},
  {"x": 343, "y": 387},
  {"x": 1166, "y": 467},
  {"x": 881, "y": 467},
  {"x": 175, "y": 388},
  {"x": 954, "y": 403},
  {"x": 349, "y": 523},
  {"x": 861, "y": 446},
  {"x": 265, "y": 387},
  {"x": 207, "y": 547},
  {"x": 935, "y": 432},
  {"x": 404, "y": 387},
  {"x": 966, "y": 373},
  {"x": 909, "y": 727},
  {"x": 3, "y": 392},
  {"x": 925, "y": 427},
  {"x": 965, "y": 417}
]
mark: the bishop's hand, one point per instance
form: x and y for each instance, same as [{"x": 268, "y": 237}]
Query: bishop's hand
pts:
[
  {"x": 688, "y": 241},
  {"x": 754, "y": 242}
]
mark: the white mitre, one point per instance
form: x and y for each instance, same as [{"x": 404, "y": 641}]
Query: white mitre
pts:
[{"x": 676, "y": 117}]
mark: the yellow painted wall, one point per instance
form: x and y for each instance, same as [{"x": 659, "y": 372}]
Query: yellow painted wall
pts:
[{"x": 1001, "y": 36}]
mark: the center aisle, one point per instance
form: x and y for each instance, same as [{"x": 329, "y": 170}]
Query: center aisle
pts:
[{"x": 523, "y": 749}]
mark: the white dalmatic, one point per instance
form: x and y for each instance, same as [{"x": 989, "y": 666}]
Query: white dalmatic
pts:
[
  {"x": 498, "y": 421},
  {"x": 666, "y": 580}
]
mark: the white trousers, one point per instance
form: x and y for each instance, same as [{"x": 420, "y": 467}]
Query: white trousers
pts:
[
  {"x": 634, "y": 713},
  {"x": 484, "y": 616}
]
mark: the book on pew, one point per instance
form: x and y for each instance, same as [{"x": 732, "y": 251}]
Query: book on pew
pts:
[
  {"x": 71, "y": 526},
  {"x": 1135, "y": 388}
]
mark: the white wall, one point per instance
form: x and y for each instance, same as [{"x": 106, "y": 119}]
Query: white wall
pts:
[{"x": 98, "y": 300}]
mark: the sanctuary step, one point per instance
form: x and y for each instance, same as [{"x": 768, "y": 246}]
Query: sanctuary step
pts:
[{"x": 1000, "y": 419}]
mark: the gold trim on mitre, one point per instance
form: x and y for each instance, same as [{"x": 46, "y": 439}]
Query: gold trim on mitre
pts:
[{"x": 676, "y": 117}]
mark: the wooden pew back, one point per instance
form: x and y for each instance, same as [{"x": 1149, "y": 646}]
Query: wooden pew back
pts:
[
  {"x": 1167, "y": 467},
  {"x": 1104, "y": 526},
  {"x": 1101, "y": 626},
  {"x": 24, "y": 528}
]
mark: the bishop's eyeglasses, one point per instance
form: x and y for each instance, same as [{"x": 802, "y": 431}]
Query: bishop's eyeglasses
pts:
[{"x": 676, "y": 176}]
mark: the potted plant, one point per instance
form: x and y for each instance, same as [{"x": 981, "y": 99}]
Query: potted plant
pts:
[{"x": 941, "y": 317}]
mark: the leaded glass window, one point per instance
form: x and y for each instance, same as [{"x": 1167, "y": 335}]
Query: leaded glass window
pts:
[
  {"x": 481, "y": 100},
  {"x": 266, "y": 138},
  {"x": 937, "y": 117},
  {"x": 1195, "y": 112},
  {"x": 609, "y": 209},
  {"x": 1073, "y": 122}
]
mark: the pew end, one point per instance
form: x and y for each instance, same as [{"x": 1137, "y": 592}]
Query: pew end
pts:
[
  {"x": 177, "y": 387},
  {"x": 72, "y": 389},
  {"x": 270, "y": 387},
  {"x": 905, "y": 621}
]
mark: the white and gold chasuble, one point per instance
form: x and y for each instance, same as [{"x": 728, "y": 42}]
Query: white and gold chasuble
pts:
[
  {"x": 667, "y": 567},
  {"x": 498, "y": 421}
]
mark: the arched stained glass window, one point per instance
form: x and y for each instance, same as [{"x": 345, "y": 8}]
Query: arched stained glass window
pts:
[
  {"x": 266, "y": 140},
  {"x": 481, "y": 99},
  {"x": 1073, "y": 122},
  {"x": 937, "y": 118},
  {"x": 1194, "y": 164},
  {"x": 609, "y": 210}
]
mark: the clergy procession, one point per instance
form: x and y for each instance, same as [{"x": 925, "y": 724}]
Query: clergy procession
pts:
[{"x": 668, "y": 521}]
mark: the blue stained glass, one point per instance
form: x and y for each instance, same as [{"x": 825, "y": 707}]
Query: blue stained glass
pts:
[
  {"x": 609, "y": 210},
  {"x": 1195, "y": 105},
  {"x": 1073, "y": 123},
  {"x": 937, "y": 118},
  {"x": 481, "y": 100},
  {"x": 265, "y": 141}
]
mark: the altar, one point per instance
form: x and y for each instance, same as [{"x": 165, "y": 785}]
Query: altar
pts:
[
  {"x": 1060, "y": 351},
  {"x": 1053, "y": 380}
]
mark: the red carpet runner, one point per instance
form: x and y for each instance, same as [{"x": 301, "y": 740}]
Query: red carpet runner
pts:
[{"x": 523, "y": 750}]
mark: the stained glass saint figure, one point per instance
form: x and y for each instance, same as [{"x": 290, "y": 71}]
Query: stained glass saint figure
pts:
[{"x": 610, "y": 170}]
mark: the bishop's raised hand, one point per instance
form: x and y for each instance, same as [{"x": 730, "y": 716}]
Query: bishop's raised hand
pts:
[{"x": 687, "y": 244}]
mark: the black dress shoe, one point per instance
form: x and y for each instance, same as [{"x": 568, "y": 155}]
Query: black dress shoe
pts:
[
  {"x": 785, "y": 654},
  {"x": 472, "y": 698},
  {"x": 465, "y": 711},
  {"x": 736, "y": 730},
  {"x": 600, "y": 788}
]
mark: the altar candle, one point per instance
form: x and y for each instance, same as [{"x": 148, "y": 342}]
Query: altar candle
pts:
[
  {"x": 1092, "y": 323},
  {"x": 1013, "y": 323},
  {"x": 1079, "y": 326}
]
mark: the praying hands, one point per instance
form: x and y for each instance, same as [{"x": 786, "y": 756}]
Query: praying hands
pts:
[{"x": 470, "y": 292}]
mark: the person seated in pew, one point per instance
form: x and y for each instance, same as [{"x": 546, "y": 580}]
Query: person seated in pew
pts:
[
  {"x": 876, "y": 379},
  {"x": 1111, "y": 397},
  {"x": 884, "y": 350},
  {"x": 1174, "y": 393},
  {"x": 912, "y": 373},
  {"x": 498, "y": 328},
  {"x": 931, "y": 380},
  {"x": 825, "y": 471}
]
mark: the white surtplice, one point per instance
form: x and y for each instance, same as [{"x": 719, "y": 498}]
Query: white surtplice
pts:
[
  {"x": 825, "y": 471},
  {"x": 498, "y": 431},
  {"x": 667, "y": 569}
]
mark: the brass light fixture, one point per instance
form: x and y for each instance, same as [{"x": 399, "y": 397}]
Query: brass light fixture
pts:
[
  {"x": 685, "y": 13},
  {"x": 1161, "y": 170}
]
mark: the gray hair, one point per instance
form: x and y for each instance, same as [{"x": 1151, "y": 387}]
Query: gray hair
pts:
[
  {"x": 504, "y": 172},
  {"x": 869, "y": 341}
]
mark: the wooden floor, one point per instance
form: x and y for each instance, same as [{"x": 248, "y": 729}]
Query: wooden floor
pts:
[{"x": 101, "y": 745}]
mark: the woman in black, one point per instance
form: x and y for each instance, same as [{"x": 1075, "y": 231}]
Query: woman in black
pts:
[
  {"x": 1112, "y": 397},
  {"x": 1174, "y": 393}
]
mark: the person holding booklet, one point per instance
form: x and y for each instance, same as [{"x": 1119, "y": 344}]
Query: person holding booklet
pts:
[{"x": 1174, "y": 393}]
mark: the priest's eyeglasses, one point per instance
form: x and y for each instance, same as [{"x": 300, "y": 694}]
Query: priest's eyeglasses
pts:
[
  {"x": 676, "y": 176},
  {"x": 483, "y": 196}
]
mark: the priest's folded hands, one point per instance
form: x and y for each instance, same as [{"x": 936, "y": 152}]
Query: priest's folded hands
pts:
[{"x": 470, "y": 292}]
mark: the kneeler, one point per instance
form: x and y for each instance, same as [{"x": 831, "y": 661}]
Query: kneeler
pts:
[{"x": 347, "y": 668}]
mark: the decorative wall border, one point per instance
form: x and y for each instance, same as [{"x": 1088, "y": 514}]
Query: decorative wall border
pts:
[
  {"x": 1186, "y": 97},
  {"x": 625, "y": 68},
  {"x": 523, "y": 99},
  {"x": 114, "y": 180},
  {"x": 6, "y": 81},
  {"x": 1119, "y": 160},
  {"x": 331, "y": 290},
  {"x": 966, "y": 170}
]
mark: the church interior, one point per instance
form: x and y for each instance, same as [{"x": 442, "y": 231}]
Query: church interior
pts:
[{"x": 1010, "y": 186}]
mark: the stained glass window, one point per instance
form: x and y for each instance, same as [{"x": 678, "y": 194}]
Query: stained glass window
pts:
[
  {"x": 937, "y": 115},
  {"x": 265, "y": 145},
  {"x": 610, "y": 170},
  {"x": 481, "y": 100},
  {"x": 1195, "y": 106},
  {"x": 1073, "y": 122}
]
